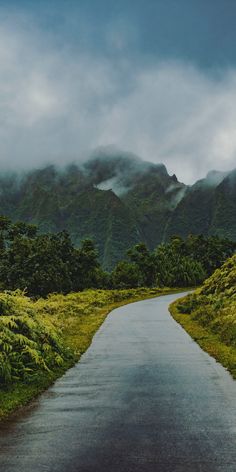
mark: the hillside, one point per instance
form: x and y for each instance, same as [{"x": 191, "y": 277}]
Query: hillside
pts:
[
  {"x": 208, "y": 207},
  {"x": 209, "y": 314},
  {"x": 119, "y": 200}
]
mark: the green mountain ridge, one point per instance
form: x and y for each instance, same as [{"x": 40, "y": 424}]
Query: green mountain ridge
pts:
[{"x": 118, "y": 200}]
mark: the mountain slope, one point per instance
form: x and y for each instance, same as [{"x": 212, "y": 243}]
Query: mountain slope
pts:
[
  {"x": 224, "y": 215},
  {"x": 118, "y": 200},
  {"x": 69, "y": 200},
  {"x": 208, "y": 207}
]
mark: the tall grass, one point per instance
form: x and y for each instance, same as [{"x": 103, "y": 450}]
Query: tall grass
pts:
[{"x": 209, "y": 314}]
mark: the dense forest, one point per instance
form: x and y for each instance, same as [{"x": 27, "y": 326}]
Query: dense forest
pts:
[{"x": 45, "y": 263}]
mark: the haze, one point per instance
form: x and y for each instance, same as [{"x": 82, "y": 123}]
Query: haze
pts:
[{"x": 145, "y": 77}]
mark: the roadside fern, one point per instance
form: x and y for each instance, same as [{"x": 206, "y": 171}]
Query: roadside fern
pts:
[{"x": 27, "y": 344}]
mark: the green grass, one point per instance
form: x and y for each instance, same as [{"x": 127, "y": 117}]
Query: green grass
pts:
[
  {"x": 209, "y": 315},
  {"x": 212, "y": 342},
  {"x": 74, "y": 318}
]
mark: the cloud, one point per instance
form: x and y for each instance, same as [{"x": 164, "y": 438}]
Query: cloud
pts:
[
  {"x": 178, "y": 115},
  {"x": 58, "y": 104}
]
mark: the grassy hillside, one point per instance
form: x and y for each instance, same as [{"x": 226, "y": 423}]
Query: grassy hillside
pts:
[
  {"x": 209, "y": 315},
  {"x": 40, "y": 339}
]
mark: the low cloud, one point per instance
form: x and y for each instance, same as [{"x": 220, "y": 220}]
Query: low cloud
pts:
[{"x": 57, "y": 105}]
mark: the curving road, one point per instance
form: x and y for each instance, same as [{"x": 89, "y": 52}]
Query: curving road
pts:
[{"x": 144, "y": 398}]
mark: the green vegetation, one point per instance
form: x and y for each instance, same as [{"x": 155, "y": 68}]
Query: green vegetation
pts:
[
  {"x": 28, "y": 344},
  {"x": 209, "y": 315},
  {"x": 180, "y": 263},
  {"x": 46, "y": 263},
  {"x": 40, "y": 339},
  {"x": 118, "y": 201}
]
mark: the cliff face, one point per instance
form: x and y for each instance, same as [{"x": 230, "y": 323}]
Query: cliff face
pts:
[{"x": 120, "y": 200}]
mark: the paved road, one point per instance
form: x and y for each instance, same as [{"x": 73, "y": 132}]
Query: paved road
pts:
[{"x": 144, "y": 398}]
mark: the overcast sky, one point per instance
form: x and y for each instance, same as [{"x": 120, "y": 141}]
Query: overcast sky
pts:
[{"x": 154, "y": 77}]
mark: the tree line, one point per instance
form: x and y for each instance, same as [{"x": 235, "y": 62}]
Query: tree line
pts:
[{"x": 47, "y": 263}]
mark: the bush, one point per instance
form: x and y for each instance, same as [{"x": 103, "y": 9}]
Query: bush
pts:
[
  {"x": 27, "y": 345},
  {"x": 214, "y": 305}
]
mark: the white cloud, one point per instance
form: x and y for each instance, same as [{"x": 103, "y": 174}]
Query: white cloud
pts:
[
  {"x": 57, "y": 105},
  {"x": 179, "y": 116}
]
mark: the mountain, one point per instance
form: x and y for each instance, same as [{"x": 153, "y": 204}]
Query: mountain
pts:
[
  {"x": 118, "y": 200},
  {"x": 208, "y": 207}
]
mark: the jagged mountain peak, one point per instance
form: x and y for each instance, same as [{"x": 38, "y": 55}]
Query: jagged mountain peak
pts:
[
  {"x": 212, "y": 179},
  {"x": 119, "y": 170},
  {"x": 118, "y": 200}
]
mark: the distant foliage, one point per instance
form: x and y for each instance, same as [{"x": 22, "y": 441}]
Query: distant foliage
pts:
[
  {"x": 126, "y": 275},
  {"x": 46, "y": 263},
  {"x": 176, "y": 270},
  {"x": 180, "y": 263},
  {"x": 42, "y": 264},
  {"x": 211, "y": 251},
  {"x": 145, "y": 262}
]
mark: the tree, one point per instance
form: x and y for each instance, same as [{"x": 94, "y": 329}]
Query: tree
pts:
[
  {"x": 46, "y": 263},
  {"x": 85, "y": 266},
  {"x": 145, "y": 262},
  {"x": 212, "y": 252},
  {"x": 126, "y": 275},
  {"x": 176, "y": 270}
]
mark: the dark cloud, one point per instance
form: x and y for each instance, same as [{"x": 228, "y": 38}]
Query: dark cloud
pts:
[
  {"x": 60, "y": 99},
  {"x": 202, "y": 31}
]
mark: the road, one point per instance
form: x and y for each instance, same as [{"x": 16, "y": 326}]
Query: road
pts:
[{"x": 144, "y": 398}]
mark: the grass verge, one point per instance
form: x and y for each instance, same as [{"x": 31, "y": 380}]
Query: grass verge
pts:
[
  {"x": 207, "y": 340},
  {"x": 76, "y": 317}
]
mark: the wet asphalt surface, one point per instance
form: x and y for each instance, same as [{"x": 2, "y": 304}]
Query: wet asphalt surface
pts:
[{"x": 143, "y": 398}]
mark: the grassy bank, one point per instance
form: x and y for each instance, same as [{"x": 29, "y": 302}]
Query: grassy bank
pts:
[
  {"x": 209, "y": 315},
  {"x": 49, "y": 336}
]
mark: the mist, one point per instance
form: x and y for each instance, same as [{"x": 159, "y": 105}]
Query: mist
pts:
[{"x": 58, "y": 104}]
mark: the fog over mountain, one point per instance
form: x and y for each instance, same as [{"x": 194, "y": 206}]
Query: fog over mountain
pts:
[{"x": 118, "y": 200}]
